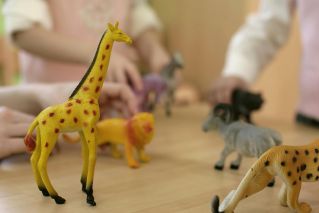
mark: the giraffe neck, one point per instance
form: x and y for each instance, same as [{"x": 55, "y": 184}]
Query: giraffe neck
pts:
[{"x": 92, "y": 81}]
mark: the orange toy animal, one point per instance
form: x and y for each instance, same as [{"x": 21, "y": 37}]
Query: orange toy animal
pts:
[{"x": 133, "y": 133}]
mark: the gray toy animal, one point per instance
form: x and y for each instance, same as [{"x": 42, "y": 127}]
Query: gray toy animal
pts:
[
  {"x": 168, "y": 74},
  {"x": 244, "y": 138}
]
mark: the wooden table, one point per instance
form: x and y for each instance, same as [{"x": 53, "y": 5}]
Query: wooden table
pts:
[{"x": 180, "y": 177}]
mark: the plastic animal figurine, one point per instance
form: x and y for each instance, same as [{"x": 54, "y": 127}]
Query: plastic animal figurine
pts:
[
  {"x": 153, "y": 88},
  {"x": 79, "y": 113},
  {"x": 246, "y": 139},
  {"x": 136, "y": 133},
  {"x": 156, "y": 86},
  {"x": 244, "y": 102},
  {"x": 168, "y": 74},
  {"x": 293, "y": 164}
]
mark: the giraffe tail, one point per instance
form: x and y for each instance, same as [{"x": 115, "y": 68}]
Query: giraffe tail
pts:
[
  {"x": 253, "y": 179},
  {"x": 28, "y": 139}
]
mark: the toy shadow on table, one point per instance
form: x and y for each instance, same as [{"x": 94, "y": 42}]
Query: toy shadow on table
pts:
[
  {"x": 239, "y": 136},
  {"x": 293, "y": 164},
  {"x": 160, "y": 86},
  {"x": 244, "y": 103}
]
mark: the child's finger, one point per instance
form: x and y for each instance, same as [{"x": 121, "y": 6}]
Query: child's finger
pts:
[
  {"x": 119, "y": 92},
  {"x": 12, "y": 146},
  {"x": 10, "y": 115},
  {"x": 120, "y": 76},
  {"x": 134, "y": 76},
  {"x": 17, "y": 129},
  {"x": 130, "y": 99}
]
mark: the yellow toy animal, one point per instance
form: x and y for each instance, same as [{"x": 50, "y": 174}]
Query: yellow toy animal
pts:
[
  {"x": 293, "y": 164},
  {"x": 80, "y": 113},
  {"x": 133, "y": 133}
]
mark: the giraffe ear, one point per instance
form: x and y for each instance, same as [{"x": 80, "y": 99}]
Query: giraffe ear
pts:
[
  {"x": 116, "y": 25},
  {"x": 111, "y": 27}
]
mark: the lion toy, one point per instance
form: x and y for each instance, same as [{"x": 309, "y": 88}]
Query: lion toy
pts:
[{"x": 135, "y": 132}]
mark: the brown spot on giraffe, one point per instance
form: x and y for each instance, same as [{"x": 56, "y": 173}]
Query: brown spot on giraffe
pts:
[
  {"x": 101, "y": 66},
  {"x": 100, "y": 78},
  {"x": 92, "y": 130},
  {"x": 69, "y": 111},
  {"x": 107, "y": 47},
  {"x": 91, "y": 79},
  {"x": 91, "y": 101},
  {"x": 46, "y": 145},
  {"x": 62, "y": 121},
  {"x": 51, "y": 114},
  {"x": 56, "y": 130},
  {"x": 97, "y": 89},
  {"x": 44, "y": 122},
  {"x": 75, "y": 119},
  {"x": 86, "y": 112},
  {"x": 94, "y": 112},
  {"x": 69, "y": 104},
  {"x": 85, "y": 88},
  {"x": 78, "y": 101}
]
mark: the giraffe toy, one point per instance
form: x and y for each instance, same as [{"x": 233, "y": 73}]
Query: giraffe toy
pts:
[{"x": 80, "y": 113}]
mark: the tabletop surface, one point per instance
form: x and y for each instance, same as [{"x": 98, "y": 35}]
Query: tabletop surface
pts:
[{"x": 179, "y": 178}]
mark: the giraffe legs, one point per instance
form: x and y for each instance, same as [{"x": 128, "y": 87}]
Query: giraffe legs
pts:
[
  {"x": 47, "y": 144},
  {"x": 34, "y": 162},
  {"x": 85, "y": 155},
  {"x": 89, "y": 136}
]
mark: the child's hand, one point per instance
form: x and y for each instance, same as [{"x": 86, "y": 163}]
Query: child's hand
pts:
[
  {"x": 123, "y": 71},
  {"x": 158, "y": 60},
  {"x": 113, "y": 96},
  {"x": 222, "y": 89},
  {"x": 119, "y": 97},
  {"x": 13, "y": 128}
]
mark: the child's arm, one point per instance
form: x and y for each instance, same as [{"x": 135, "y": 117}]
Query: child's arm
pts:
[
  {"x": 254, "y": 46},
  {"x": 152, "y": 50},
  {"x": 31, "y": 30},
  {"x": 29, "y": 25},
  {"x": 54, "y": 46},
  {"x": 146, "y": 28}
]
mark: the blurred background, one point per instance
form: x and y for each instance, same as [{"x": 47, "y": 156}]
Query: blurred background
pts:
[{"x": 201, "y": 33}]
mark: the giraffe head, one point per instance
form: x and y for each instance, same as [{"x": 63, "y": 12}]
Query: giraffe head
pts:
[{"x": 118, "y": 35}]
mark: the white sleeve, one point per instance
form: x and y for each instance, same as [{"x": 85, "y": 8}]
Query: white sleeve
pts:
[
  {"x": 257, "y": 41},
  {"x": 143, "y": 18},
  {"x": 23, "y": 14}
]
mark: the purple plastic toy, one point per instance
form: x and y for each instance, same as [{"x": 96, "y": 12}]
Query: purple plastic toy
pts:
[
  {"x": 156, "y": 86},
  {"x": 153, "y": 87}
]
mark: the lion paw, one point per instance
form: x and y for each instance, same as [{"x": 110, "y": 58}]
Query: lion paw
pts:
[
  {"x": 304, "y": 208},
  {"x": 133, "y": 165},
  {"x": 145, "y": 159},
  {"x": 117, "y": 155}
]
